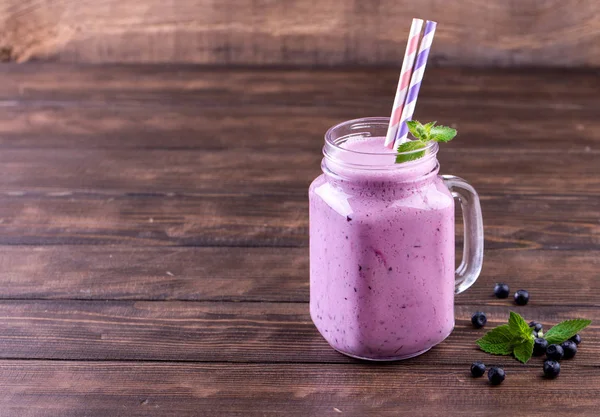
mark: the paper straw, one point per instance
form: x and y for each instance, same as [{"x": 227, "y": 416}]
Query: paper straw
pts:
[
  {"x": 415, "y": 82},
  {"x": 405, "y": 72}
]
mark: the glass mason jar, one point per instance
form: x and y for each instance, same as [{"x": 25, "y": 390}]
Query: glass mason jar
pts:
[{"x": 382, "y": 269}]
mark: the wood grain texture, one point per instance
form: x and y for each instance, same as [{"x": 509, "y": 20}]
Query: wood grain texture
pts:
[
  {"x": 166, "y": 107},
  {"x": 148, "y": 267},
  {"x": 124, "y": 389},
  {"x": 230, "y": 332},
  {"x": 271, "y": 172},
  {"x": 530, "y": 222},
  {"x": 498, "y": 33},
  {"x": 259, "y": 274}
]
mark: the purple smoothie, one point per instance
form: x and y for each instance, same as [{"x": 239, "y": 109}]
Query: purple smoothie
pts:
[{"x": 382, "y": 270}]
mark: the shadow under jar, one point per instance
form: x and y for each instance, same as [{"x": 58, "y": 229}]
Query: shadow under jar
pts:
[{"x": 382, "y": 277}]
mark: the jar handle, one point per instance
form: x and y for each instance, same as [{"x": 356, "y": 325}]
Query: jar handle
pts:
[{"x": 472, "y": 259}]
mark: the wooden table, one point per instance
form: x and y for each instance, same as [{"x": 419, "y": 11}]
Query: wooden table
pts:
[{"x": 154, "y": 260}]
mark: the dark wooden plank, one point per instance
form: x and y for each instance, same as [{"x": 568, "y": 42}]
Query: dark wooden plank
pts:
[
  {"x": 231, "y": 332},
  {"x": 35, "y": 388},
  {"x": 230, "y": 171},
  {"x": 151, "y": 273},
  {"x": 208, "y": 220},
  {"x": 185, "y": 107},
  {"x": 498, "y": 33},
  {"x": 259, "y": 274},
  {"x": 285, "y": 85},
  {"x": 52, "y": 125},
  {"x": 129, "y": 389},
  {"x": 261, "y": 220}
]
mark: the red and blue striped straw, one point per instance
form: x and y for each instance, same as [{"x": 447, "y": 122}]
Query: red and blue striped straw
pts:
[
  {"x": 415, "y": 82},
  {"x": 405, "y": 73}
]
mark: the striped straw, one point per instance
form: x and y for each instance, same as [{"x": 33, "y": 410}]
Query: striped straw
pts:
[
  {"x": 415, "y": 82},
  {"x": 405, "y": 72}
]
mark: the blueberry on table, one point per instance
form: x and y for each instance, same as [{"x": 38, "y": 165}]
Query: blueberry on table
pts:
[
  {"x": 477, "y": 369},
  {"x": 570, "y": 349},
  {"x": 555, "y": 352},
  {"x": 521, "y": 297},
  {"x": 501, "y": 290},
  {"x": 551, "y": 369},
  {"x": 536, "y": 326},
  {"x": 539, "y": 346},
  {"x": 576, "y": 339},
  {"x": 478, "y": 319},
  {"x": 496, "y": 375}
]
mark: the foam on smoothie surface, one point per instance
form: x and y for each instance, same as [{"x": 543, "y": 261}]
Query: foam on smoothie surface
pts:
[
  {"x": 367, "y": 145},
  {"x": 369, "y": 151}
]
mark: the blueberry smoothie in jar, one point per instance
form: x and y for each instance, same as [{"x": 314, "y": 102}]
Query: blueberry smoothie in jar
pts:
[{"x": 382, "y": 268}]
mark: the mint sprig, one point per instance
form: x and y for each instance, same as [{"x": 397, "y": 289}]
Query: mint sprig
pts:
[
  {"x": 516, "y": 337},
  {"x": 423, "y": 133},
  {"x": 512, "y": 338}
]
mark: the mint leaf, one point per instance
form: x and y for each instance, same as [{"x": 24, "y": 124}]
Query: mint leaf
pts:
[
  {"x": 519, "y": 326},
  {"x": 512, "y": 338},
  {"x": 498, "y": 341},
  {"x": 410, "y": 146},
  {"x": 423, "y": 134},
  {"x": 565, "y": 330},
  {"x": 430, "y": 131},
  {"x": 417, "y": 129},
  {"x": 523, "y": 351},
  {"x": 428, "y": 127},
  {"x": 442, "y": 133}
]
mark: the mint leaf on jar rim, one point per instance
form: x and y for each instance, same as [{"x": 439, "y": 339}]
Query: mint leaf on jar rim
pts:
[
  {"x": 418, "y": 130},
  {"x": 442, "y": 134},
  {"x": 428, "y": 127},
  {"x": 429, "y": 131},
  {"x": 410, "y": 146},
  {"x": 423, "y": 133}
]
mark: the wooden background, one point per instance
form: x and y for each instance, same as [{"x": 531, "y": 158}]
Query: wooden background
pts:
[
  {"x": 148, "y": 267},
  {"x": 487, "y": 33}
]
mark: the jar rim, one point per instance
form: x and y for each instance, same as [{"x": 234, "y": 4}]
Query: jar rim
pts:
[{"x": 379, "y": 160}]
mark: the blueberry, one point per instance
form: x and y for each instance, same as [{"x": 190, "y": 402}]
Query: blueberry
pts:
[
  {"x": 570, "y": 348},
  {"x": 478, "y": 319},
  {"x": 576, "y": 339},
  {"x": 551, "y": 369},
  {"x": 521, "y": 297},
  {"x": 539, "y": 346},
  {"x": 501, "y": 290},
  {"x": 555, "y": 352},
  {"x": 496, "y": 375},
  {"x": 536, "y": 326},
  {"x": 477, "y": 369}
]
